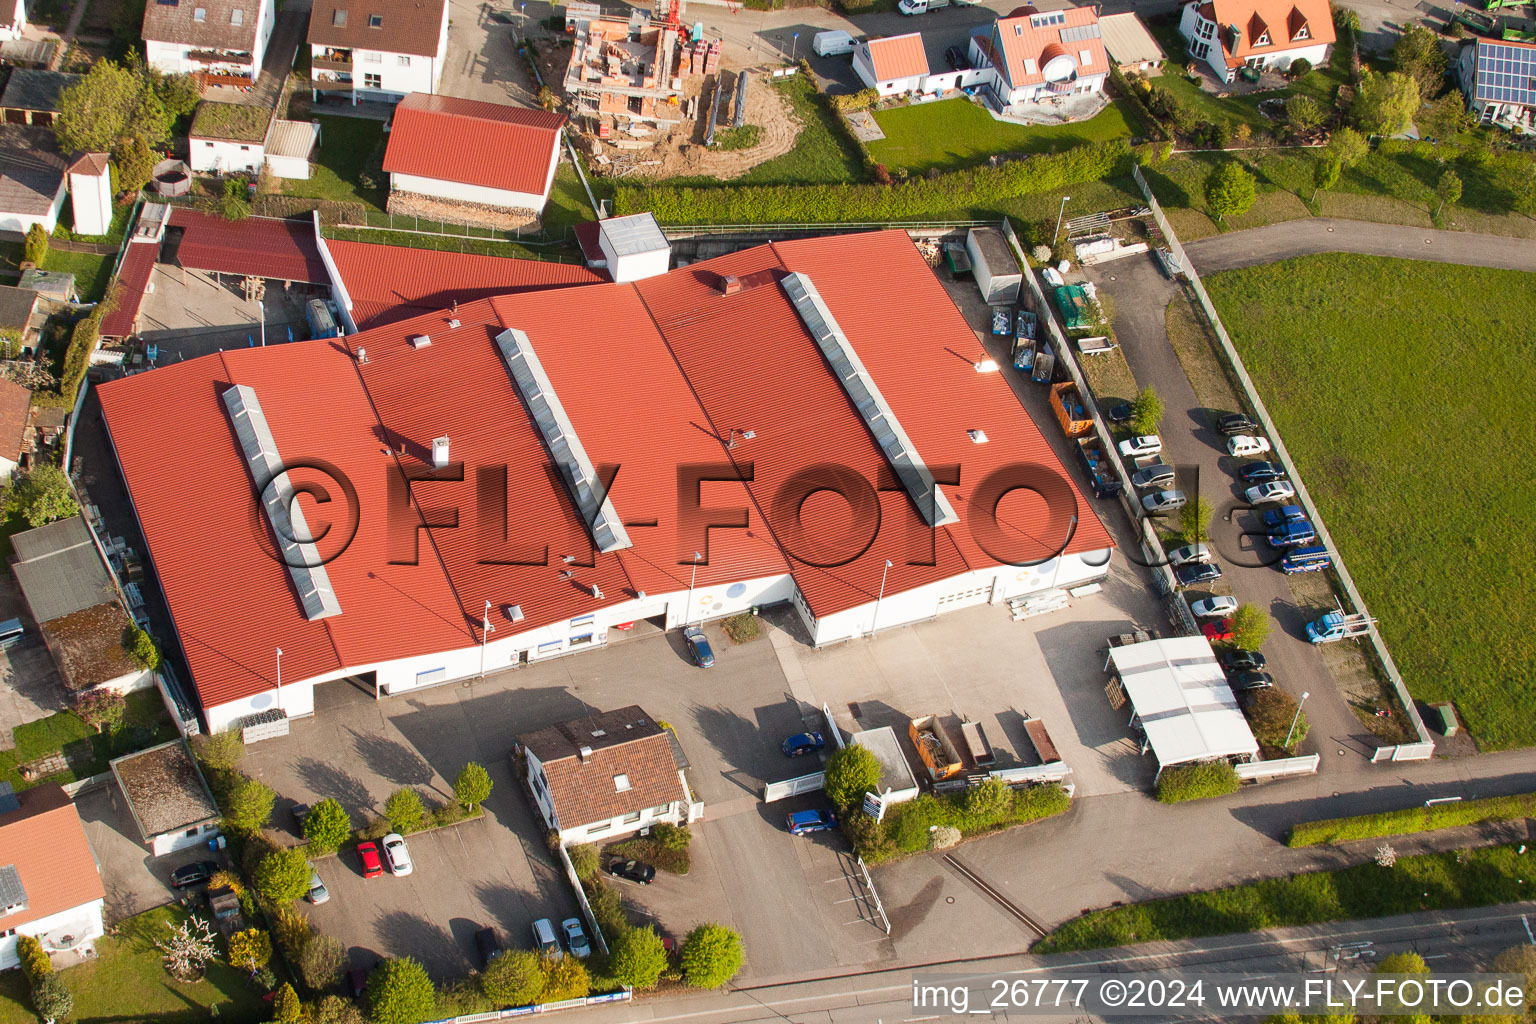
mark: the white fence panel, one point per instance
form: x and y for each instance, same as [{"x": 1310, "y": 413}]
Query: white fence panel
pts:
[
  {"x": 793, "y": 787},
  {"x": 1280, "y": 768}
]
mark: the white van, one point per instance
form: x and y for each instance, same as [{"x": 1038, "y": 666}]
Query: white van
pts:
[{"x": 830, "y": 44}]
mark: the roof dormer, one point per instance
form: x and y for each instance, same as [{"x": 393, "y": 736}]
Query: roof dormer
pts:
[
  {"x": 1258, "y": 31},
  {"x": 1296, "y": 24}
]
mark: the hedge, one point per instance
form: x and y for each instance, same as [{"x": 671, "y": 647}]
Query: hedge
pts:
[
  {"x": 35, "y": 963},
  {"x": 1413, "y": 819},
  {"x": 985, "y": 808},
  {"x": 911, "y": 200},
  {"x": 82, "y": 342},
  {"x": 1196, "y": 782}
]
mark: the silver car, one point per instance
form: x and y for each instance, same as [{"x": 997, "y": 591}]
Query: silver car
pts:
[
  {"x": 1188, "y": 554},
  {"x": 1154, "y": 475},
  {"x": 317, "y": 892},
  {"x": 1275, "y": 490},
  {"x": 1164, "y": 501}
]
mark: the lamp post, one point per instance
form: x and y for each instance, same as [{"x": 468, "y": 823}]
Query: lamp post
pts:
[
  {"x": 1059, "y": 213},
  {"x": 875, "y": 621},
  {"x": 279, "y": 678},
  {"x": 794, "y": 47},
  {"x": 1056, "y": 571},
  {"x": 1295, "y": 718},
  {"x": 486, "y": 629},
  {"x": 688, "y": 610}
]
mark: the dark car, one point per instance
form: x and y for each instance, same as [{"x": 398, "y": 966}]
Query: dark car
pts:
[
  {"x": 1243, "y": 682},
  {"x": 1236, "y": 423},
  {"x": 489, "y": 945},
  {"x": 802, "y": 743},
  {"x": 803, "y": 823},
  {"x": 1277, "y": 517},
  {"x": 1242, "y": 661},
  {"x": 299, "y": 813},
  {"x": 955, "y": 58},
  {"x": 193, "y": 874},
  {"x": 1261, "y": 472},
  {"x": 698, "y": 647},
  {"x": 635, "y": 871},
  {"x": 1121, "y": 413},
  {"x": 1199, "y": 572}
]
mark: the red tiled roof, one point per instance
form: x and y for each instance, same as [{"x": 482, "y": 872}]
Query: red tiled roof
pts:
[
  {"x": 132, "y": 278},
  {"x": 263, "y": 246},
  {"x": 389, "y": 283},
  {"x": 1027, "y": 49},
  {"x": 15, "y": 401},
  {"x": 1256, "y": 16},
  {"x": 405, "y": 26},
  {"x": 898, "y": 57},
  {"x": 46, "y": 844},
  {"x": 92, "y": 164},
  {"x": 584, "y": 790},
  {"x": 473, "y": 142}
]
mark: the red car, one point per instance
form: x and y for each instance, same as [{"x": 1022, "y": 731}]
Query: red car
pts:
[
  {"x": 368, "y": 853},
  {"x": 1218, "y": 632}
]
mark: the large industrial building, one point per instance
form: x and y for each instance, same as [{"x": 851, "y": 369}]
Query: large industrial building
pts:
[{"x": 510, "y": 466}]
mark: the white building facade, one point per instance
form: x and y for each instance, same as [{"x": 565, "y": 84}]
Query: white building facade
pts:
[
  {"x": 1232, "y": 36},
  {"x": 81, "y": 925},
  {"x": 216, "y": 37}
]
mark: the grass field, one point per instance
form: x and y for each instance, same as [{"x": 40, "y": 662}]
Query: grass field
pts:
[
  {"x": 145, "y": 723},
  {"x": 1435, "y": 881},
  {"x": 346, "y": 144},
  {"x": 92, "y": 272},
  {"x": 952, "y": 134},
  {"x": 1406, "y": 399}
]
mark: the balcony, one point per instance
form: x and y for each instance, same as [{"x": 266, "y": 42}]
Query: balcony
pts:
[
  {"x": 332, "y": 63},
  {"x": 332, "y": 85}
]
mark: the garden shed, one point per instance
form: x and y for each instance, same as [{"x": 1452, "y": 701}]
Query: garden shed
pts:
[{"x": 997, "y": 271}]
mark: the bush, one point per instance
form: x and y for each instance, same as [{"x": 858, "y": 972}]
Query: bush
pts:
[
  {"x": 584, "y": 860},
  {"x": 52, "y": 999},
  {"x": 1147, "y": 411},
  {"x": 35, "y": 963},
  {"x": 404, "y": 810},
  {"x": 861, "y": 100},
  {"x": 327, "y": 826},
  {"x": 1300, "y": 68},
  {"x": 142, "y": 649},
  {"x": 868, "y": 837},
  {"x": 607, "y": 908},
  {"x": 101, "y": 709},
  {"x": 1195, "y": 520},
  {"x": 321, "y": 961},
  {"x": 515, "y": 978},
  {"x": 220, "y": 753},
  {"x": 1230, "y": 191},
  {"x": 42, "y": 496},
  {"x": 743, "y": 628},
  {"x": 666, "y": 848},
  {"x": 565, "y": 977},
  {"x": 1270, "y": 713},
  {"x": 1410, "y": 820},
  {"x": 249, "y": 807},
  {"x": 286, "y": 1008},
  {"x": 1250, "y": 627},
  {"x": 908, "y": 826},
  {"x": 1196, "y": 782},
  {"x": 638, "y": 958},
  {"x": 473, "y": 786},
  {"x": 36, "y": 247},
  {"x": 400, "y": 992},
  {"x": 290, "y": 929},
  {"x": 711, "y": 956},
  {"x": 851, "y": 772},
  {"x": 249, "y": 950}
]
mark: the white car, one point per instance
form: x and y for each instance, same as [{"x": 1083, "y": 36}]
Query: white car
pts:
[
  {"x": 1187, "y": 554},
  {"x": 1275, "y": 490},
  {"x": 1214, "y": 607},
  {"x": 1146, "y": 444},
  {"x": 396, "y": 854},
  {"x": 1243, "y": 445}
]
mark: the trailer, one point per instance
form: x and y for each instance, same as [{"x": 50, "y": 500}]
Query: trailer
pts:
[
  {"x": 994, "y": 266},
  {"x": 1070, "y": 411},
  {"x": 934, "y": 747},
  {"x": 1035, "y": 730},
  {"x": 976, "y": 745},
  {"x": 1478, "y": 22}
]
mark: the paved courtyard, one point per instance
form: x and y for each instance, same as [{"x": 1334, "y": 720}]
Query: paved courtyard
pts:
[
  {"x": 190, "y": 313},
  {"x": 30, "y": 687},
  {"x": 482, "y": 61}
]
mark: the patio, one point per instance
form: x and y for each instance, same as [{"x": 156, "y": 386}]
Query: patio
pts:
[{"x": 1057, "y": 110}]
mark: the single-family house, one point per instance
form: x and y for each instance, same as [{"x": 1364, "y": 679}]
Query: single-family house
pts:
[
  {"x": 604, "y": 776},
  {"x": 223, "y": 40},
  {"x": 1499, "y": 80},
  {"x": 893, "y": 65},
  {"x": 1229, "y": 35},
  {"x": 1129, "y": 44},
  {"x": 15, "y": 405},
  {"x": 32, "y": 179},
  {"x": 50, "y": 886},
  {"x": 1031, "y": 57},
  {"x": 32, "y": 95},
  {"x": 470, "y": 151},
  {"x": 168, "y": 797},
  {"x": 13, "y": 20},
  {"x": 377, "y": 50}
]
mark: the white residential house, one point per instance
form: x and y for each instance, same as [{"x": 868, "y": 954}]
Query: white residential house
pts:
[
  {"x": 1035, "y": 57},
  {"x": 50, "y": 886},
  {"x": 223, "y": 39},
  {"x": 377, "y": 50},
  {"x": 16, "y": 23},
  {"x": 470, "y": 151},
  {"x": 605, "y": 776},
  {"x": 892, "y": 66},
  {"x": 1229, "y": 35}
]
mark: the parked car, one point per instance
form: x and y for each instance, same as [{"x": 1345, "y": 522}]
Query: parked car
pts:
[
  {"x": 1121, "y": 413},
  {"x": 544, "y": 941},
  {"x": 1154, "y": 475},
  {"x": 1292, "y": 535},
  {"x": 399, "y": 857},
  {"x": 698, "y": 647},
  {"x": 1164, "y": 501},
  {"x": 1145, "y": 444},
  {"x": 196, "y": 873},
  {"x": 1243, "y": 682},
  {"x": 368, "y": 853},
  {"x": 1234, "y": 423},
  {"x": 1219, "y": 606},
  {"x": 488, "y": 942},
  {"x": 1261, "y": 472},
  {"x": 1247, "y": 444},
  {"x": 1242, "y": 661},
  {"x": 357, "y": 982},
  {"x": 317, "y": 892},
  {"x": 1197, "y": 572},
  {"x": 299, "y": 813},
  {"x": 1189, "y": 554},
  {"x": 802, "y": 743},
  {"x": 1277, "y": 517},
  {"x": 1275, "y": 490},
  {"x": 1217, "y": 632},
  {"x": 576, "y": 938},
  {"x": 955, "y": 58},
  {"x": 635, "y": 871},
  {"x": 803, "y": 823}
]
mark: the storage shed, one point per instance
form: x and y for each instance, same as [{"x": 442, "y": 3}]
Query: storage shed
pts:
[
  {"x": 997, "y": 272},
  {"x": 1182, "y": 702},
  {"x": 897, "y": 783}
]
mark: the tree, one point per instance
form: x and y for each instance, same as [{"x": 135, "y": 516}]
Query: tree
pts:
[
  {"x": 1147, "y": 411},
  {"x": 142, "y": 648},
  {"x": 234, "y": 205},
  {"x": 584, "y": 860},
  {"x": 851, "y": 772},
  {"x": 565, "y": 977},
  {"x": 1418, "y": 55},
  {"x": 101, "y": 709},
  {"x": 399, "y": 992},
  {"x": 321, "y": 961},
  {"x": 221, "y": 752},
  {"x": 1270, "y": 714},
  {"x": 1402, "y": 963},
  {"x": 109, "y": 104},
  {"x": 189, "y": 949},
  {"x": 1325, "y": 175},
  {"x": 283, "y": 875},
  {"x": 135, "y": 164},
  {"x": 1302, "y": 113},
  {"x": 638, "y": 957},
  {"x": 1250, "y": 627},
  {"x": 250, "y": 950},
  {"x": 286, "y": 1008},
  {"x": 178, "y": 94},
  {"x": 249, "y": 807},
  {"x": 711, "y": 956},
  {"x": 327, "y": 826},
  {"x": 1195, "y": 520},
  {"x": 404, "y": 810},
  {"x": 1445, "y": 118},
  {"x": 336, "y": 1010},
  {"x": 1448, "y": 189},
  {"x": 51, "y": 998},
  {"x": 1519, "y": 960},
  {"x": 473, "y": 785},
  {"x": 1300, "y": 68},
  {"x": 1385, "y": 104},
  {"x": 515, "y": 978},
  {"x": 1349, "y": 146},
  {"x": 36, "y": 249},
  {"x": 42, "y": 496},
  {"x": 1229, "y": 191}
]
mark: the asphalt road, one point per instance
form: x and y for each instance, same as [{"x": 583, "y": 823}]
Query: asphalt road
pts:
[{"x": 1319, "y": 234}]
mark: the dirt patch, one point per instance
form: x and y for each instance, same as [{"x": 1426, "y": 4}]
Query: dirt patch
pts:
[{"x": 411, "y": 204}]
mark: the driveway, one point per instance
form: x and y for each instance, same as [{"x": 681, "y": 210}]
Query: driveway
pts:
[
  {"x": 482, "y": 61},
  {"x": 1320, "y": 234},
  {"x": 30, "y": 687}
]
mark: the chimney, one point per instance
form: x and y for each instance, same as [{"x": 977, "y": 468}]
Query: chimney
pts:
[
  {"x": 730, "y": 284},
  {"x": 439, "y": 452},
  {"x": 584, "y": 752}
]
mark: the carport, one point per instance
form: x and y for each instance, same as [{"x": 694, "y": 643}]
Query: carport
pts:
[{"x": 1182, "y": 701}]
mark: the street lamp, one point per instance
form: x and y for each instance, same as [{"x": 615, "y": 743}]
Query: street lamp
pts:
[
  {"x": 1056, "y": 571},
  {"x": 688, "y": 610},
  {"x": 1064, "y": 201},
  {"x": 875, "y": 622},
  {"x": 279, "y": 678},
  {"x": 794, "y": 47},
  {"x": 1295, "y": 718},
  {"x": 486, "y": 629}
]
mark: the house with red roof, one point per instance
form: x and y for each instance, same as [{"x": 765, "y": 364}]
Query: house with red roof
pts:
[
  {"x": 894, "y": 65},
  {"x": 1034, "y": 57},
  {"x": 1229, "y": 35},
  {"x": 469, "y": 151},
  {"x": 49, "y": 883}
]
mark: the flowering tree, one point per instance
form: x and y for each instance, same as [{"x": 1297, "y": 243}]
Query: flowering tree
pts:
[{"x": 189, "y": 949}]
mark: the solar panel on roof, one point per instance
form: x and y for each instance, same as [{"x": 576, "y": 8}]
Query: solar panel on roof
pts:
[
  {"x": 12, "y": 892},
  {"x": 1077, "y": 33},
  {"x": 8, "y": 801}
]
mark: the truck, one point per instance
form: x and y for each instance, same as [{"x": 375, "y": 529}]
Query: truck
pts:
[
  {"x": 321, "y": 324},
  {"x": 934, "y": 747},
  {"x": 1101, "y": 475},
  {"x": 912, "y": 7},
  {"x": 1336, "y": 626}
]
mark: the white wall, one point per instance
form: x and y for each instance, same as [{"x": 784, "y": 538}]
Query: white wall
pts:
[
  {"x": 91, "y": 201},
  {"x": 83, "y": 922},
  {"x": 574, "y": 833},
  {"x": 18, "y": 22},
  {"x": 396, "y": 79},
  {"x": 7, "y": 467},
  {"x": 170, "y": 842},
  {"x": 22, "y": 222},
  {"x": 140, "y": 679},
  {"x": 225, "y": 157},
  {"x": 459, "y": 191},
  {"x": 864, "y": 65},
  {"x": 638, "y": 266},
  {"x": 288, "y": 166}
]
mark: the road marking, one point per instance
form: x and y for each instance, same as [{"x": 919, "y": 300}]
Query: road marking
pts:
[{"x": 1526, "y": 921}]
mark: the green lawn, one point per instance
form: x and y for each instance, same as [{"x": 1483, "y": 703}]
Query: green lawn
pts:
[
  {"x": 92, "y": 272},
  {"x": 128, "y": 982},
  {"x": 1437, "y": 881},
  {"x": 952, "y": 134},
  {"x": 1406, "y": 396},
  {"x": 145, "y": 723},
  {"x": 567, "y": 204},
  {"x": 346, "y": 146}
]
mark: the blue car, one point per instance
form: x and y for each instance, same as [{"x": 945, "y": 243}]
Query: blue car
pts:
[
  {"x": 698, "y": 647},
  {"x": 803, "y": 823},
  {"x": 1277, "y": 517},
  {"x": 1261, "y": 472},
  {"x": 802, "y": 743}
]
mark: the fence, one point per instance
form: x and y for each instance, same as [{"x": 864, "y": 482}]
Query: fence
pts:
[
  {"x": 581, "y": 898},
  {"x": 418, "y": 225},
  {"x": 622, "y": 996},
  {"x": 1420, "y": 751},
  {"x": 874, "y": 897},
  {"x": 936, "y": 227},
  {"x": 1280, "y": 768},
  {"x": 1424, "y": 748},
  {"x": 793, "y": 787}
]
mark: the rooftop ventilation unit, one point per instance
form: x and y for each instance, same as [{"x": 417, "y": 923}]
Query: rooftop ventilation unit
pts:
[
  {"x": 439, "y": 452},
  {"x": 277, "y": 496},
  {"x": 453, "y": 324},
  {"x": 565, "y": 449},
  {"x": 421, "y": 340},
  {"x": 866, "y": 397}
]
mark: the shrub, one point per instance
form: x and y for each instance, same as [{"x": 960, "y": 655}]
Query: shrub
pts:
[
  {"x": 249, "y": 807},
  {"x": 36, "y": 247},
  {"x": 868, "y": 837},
  {"x": 221, "y": 752},
  {"x": 321, "y": 961},
  {"x": 944, "y": 836},
  {"x": 1196, "y": 782},
  {"x": 233, "y": 204},
  {"x": 565, "y": 977},
  {"x": 584, "y": 860},
  {"x": 290, "y": 928},
  {"x": 1250, "y": 627},
  {"x": 249, "y": 950},
  {"x": 52, "y": 999},
  {"x": 743, "y": 628},
  {"x": 327, "y": 826},
  {"x": 404, "y": 810},
  {"x": 861, "y": 100},
  {"x": 607, "y": 907},
  {"x": 473, "y": 786},
  {"x": 42, "y": 496},
  {"x": 1270, "y": 713},
  {"x": 400, "y": 992},
  {"x": 638, "y": 958},
  {"x": 142, "y": 649},
  {"x": 286, "y": 1008},
  {"x": 1302, "y": 113},
  {"x": 711, "y": 956},
  {"x": 1195, "y": 520},
  {"x": 35, "y": 963},
  {"x": 1230, "y": 191},
  {"x": 1300, "y": 68},
  {"x": 101, "y": 709},
  {"x": 1147, "y": 411},
  {"x": 851, "y": 772},
  {"x": 515, "y": 978}
]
